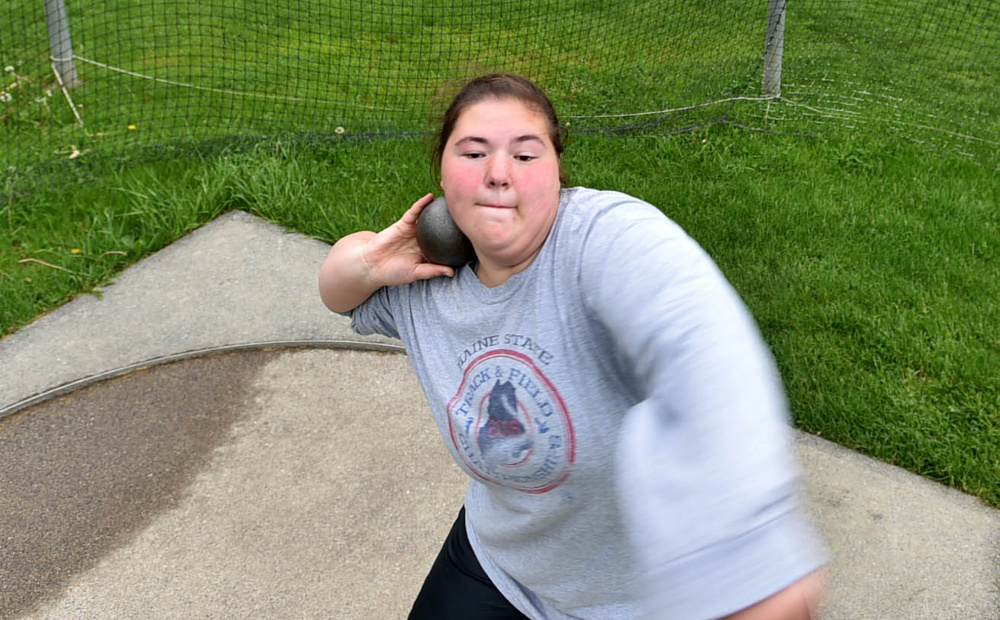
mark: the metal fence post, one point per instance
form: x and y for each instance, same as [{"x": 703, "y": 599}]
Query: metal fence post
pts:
[
  {"x": 60, "y": 45},
  {"x": 774, "y": 47}
]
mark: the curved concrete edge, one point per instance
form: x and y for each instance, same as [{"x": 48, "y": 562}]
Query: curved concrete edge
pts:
[
  {"x": 236, "y": 280},
  {"x": 66, "y": 388}
]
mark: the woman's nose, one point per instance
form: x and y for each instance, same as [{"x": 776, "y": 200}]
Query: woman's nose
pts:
[{"x": 497, "y": 172}]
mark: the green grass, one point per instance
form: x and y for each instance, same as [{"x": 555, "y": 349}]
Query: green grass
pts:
[{"x": 872, "y": 265}]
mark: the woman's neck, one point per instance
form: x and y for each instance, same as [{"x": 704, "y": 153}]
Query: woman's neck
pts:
[{"x": 493, "y": 274}]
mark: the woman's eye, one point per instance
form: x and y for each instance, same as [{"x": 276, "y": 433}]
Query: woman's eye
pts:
[
  {"x": 524, "y": 158},
  {"x": 473, "y": 155}
]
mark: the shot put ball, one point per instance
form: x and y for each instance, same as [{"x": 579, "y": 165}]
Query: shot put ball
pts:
[{"x": 439, "y": 237}]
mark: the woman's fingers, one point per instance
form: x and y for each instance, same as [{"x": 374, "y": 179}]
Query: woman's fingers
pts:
[
  {"x": 393, "y": 254},
  {"x": 426, "y": 271},
  {"x": 403, "y": 234},
  {"x": 410, "y": 217},
  {"x": 401, "y": 237}
]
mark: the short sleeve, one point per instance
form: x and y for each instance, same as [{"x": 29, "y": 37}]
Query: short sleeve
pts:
[{"x": 375, "y": 315}]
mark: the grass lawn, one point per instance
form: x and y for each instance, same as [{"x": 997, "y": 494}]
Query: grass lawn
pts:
[{"x": 871, "y": 265}]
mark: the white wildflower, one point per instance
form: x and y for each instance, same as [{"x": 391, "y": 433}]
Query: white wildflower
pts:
[
  {"x": 5, "y": 97},
  {"x": 339, "y": 131},
  {"x": 9, "y": 69}
]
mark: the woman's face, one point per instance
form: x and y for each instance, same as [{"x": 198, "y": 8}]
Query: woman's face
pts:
[{"x": 500, "y": 175}]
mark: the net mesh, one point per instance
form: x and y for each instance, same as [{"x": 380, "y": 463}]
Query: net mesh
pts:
[
  {"x": 928, "y": 70},
  {"x": 100, "y": 76}
]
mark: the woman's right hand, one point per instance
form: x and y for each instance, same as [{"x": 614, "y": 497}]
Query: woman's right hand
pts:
[
  {"x": 361, "y": 263},
  {"x": 393, "y": 256}
]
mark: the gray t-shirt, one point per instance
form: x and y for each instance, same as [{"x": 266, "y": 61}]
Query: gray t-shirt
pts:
[{"x": 619, "y": 416}]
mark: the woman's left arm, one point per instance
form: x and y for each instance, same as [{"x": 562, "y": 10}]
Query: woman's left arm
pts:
[{"x": 706, "y": 478}]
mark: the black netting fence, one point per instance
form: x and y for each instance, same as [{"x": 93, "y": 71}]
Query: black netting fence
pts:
[{"x": 87, "y": 77}]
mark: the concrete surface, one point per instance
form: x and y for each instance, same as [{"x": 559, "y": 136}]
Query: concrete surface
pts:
[{"x": 255, "y": 483}]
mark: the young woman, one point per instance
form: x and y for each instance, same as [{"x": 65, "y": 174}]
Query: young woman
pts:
[{"x": 604, "y": 387}]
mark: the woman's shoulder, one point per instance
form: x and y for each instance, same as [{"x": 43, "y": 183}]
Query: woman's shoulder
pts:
[
  {"x": 584, "y": 203},
  {"x": 587, "y": 210},
  {"x": 603, "y": 225},
  {"x": 587, "y": 197}
]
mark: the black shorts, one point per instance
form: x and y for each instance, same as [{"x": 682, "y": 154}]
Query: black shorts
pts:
[{"x": 457, "y": 588}]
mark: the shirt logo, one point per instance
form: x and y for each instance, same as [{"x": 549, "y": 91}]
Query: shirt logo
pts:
[{"x": 510, "y": 426}]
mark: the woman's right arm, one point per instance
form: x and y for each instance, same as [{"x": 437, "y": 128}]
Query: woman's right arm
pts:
[{"x": 361, "y": 263}]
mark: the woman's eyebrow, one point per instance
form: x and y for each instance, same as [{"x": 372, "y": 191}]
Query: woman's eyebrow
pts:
[
  {"x": 475, "y": 139},
  {"x": 528, "y": 138},
  {"x": 518, "y": 140}
]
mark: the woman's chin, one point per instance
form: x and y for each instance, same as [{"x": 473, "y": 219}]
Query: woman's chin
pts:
[{"x": 491, "y": 245}]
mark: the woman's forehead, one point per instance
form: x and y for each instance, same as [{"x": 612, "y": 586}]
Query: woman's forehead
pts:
[{"x": 500, "y": 118}]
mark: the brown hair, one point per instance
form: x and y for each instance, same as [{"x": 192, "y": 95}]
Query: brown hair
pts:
[{"x": 498, "y": 86}]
